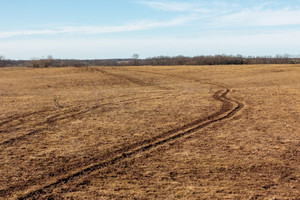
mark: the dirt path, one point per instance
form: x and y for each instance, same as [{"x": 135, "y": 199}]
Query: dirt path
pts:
[{"x": 229, "y": 108}]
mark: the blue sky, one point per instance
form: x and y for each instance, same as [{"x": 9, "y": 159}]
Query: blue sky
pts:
[{"x": 88, "y": 29}]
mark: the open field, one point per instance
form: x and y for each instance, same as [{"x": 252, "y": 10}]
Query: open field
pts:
[{"x": 186, "y": 132}]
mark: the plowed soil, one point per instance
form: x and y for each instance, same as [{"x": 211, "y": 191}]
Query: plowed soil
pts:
[{"x": 184, "y": 132}]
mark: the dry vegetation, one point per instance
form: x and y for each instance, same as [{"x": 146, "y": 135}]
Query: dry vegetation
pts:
[{"x": 187, "y": 132}]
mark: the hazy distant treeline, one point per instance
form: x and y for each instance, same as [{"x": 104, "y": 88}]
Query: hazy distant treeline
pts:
[{"x": 160, "y": 60}]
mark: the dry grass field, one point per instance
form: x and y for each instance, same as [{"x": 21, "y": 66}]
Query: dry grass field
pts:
[{"x": 184, "y": 132}]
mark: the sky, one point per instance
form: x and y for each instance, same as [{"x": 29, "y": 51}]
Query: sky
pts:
[{"x": 103, "y": 29}]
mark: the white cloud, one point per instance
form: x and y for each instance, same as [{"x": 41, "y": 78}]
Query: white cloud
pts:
[
  {"x": 280, "y": 42},
  {"x": 224, "y": 13},
  {"x": 221, "y": 16},
  {"x": 7, "y": 34},
  {"x": 141, "y": 25},
  {"x": 260, "y": 17},
  {"x": 175, "y": 6},
  {"x": 214, "y": 27},
  {"x": 171, "y": 6}
]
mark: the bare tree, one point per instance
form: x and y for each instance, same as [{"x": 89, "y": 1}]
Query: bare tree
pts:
[
  {"x": 135, "y": 58},
  {"x": 47, "y": 61},
  {"x": 3, "y": 61},
  {"x": 34, "y": 62},
  {"x": 44, "y": 62}
]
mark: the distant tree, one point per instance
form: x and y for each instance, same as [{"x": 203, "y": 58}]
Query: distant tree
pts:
[
  {"x": 77, "y": 63},
  {"x": 220, "y": 59},
  {"x": 44, "y": 62},
  {"x": 3, "y": 61},
  {"x": 47, "y": 61},
  {"x": 135, "y": 58},
  {"x": 34, "y": 62}
]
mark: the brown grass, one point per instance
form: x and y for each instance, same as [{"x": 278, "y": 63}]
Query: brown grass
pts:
[{"x": 150, "y": 132}]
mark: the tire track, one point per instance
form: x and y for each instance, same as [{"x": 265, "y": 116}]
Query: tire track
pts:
[
  {"x": 74, "y": 112},
  {"x": 205, "y": 81},
  {"x": 50, "y": 120},
  {"x": 21, "y": 116},
  {"x": 229, "y": 108},
  {"x": 55, "y": 113},
  {"x": 131, "y": 79},
  {"x": 15, "y": 141}
]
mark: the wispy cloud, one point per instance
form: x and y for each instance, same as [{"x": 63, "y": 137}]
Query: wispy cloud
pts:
[
  {"x": 8, "y": 34},
  {"x": 261, "y": 17},
  {"x": 224, "y": 13},
  {"x": 88, "y": 30},
  {"x": 206, "y": 14},
  {"x": 175, "y": 6},
  {"x": 279, "y": 42}
]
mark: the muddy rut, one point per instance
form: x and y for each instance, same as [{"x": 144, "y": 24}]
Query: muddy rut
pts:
[{"x": 229, "y": 108}]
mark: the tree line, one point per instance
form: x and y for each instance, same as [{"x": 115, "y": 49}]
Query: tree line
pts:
[{"x": 155, "y": 61}]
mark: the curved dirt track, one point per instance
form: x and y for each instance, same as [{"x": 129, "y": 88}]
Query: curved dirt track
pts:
[
  {"x": 131, "y": 79},
  {"x": 69, "y": 114},
  {"x": 229, "y": 108},
  {"x": 66, "y": 114}
]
